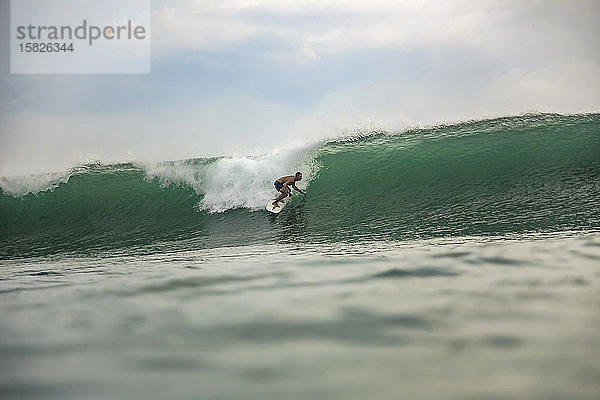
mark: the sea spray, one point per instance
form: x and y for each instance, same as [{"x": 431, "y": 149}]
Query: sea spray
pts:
[{"x": 227, "y": 183}]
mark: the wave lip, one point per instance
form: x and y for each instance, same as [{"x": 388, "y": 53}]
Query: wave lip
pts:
[{"x": 31, "y": 184}]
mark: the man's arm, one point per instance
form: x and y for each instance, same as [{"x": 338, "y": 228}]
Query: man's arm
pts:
[{"x": 294, "y": 186}]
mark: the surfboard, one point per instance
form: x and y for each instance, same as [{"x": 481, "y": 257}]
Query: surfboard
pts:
[{"x": 276, "y": 210}]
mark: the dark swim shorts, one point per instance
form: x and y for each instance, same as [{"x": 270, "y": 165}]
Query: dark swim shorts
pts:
[{"x": 278, "y": 186}]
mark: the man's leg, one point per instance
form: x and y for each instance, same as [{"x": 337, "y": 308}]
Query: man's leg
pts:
[{"x": 283, "y": 194}]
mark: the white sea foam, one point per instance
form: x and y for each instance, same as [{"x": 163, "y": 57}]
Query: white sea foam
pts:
[
  {"x": 21, "y": 185},
  {"x": 236, "y": 182}
]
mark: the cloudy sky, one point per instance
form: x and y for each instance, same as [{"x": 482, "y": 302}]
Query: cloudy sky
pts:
[{"x": 247, "y": 76}]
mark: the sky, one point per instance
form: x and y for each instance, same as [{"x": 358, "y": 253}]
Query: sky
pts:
[{"x": 236, "y": 77}]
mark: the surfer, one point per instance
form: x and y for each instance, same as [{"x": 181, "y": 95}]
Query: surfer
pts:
[{"x": 282, "y": 185}]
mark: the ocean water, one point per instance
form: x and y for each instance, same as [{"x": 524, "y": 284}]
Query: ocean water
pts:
[{"x": 449, "y": 262}]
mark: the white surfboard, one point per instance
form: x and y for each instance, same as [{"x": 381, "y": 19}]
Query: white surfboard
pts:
[{"x": 275, "y": 210}]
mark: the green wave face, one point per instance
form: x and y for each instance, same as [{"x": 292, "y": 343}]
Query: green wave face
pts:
[
  {"x": 514, "y": 175},
  {"x": 510, "y": 175}
]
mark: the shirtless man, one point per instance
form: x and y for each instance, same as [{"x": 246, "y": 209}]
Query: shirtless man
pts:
[{"x": 282, "y": 185}]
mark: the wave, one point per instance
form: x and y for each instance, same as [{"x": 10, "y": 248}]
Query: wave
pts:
[{"x": 530, "y": 173}]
